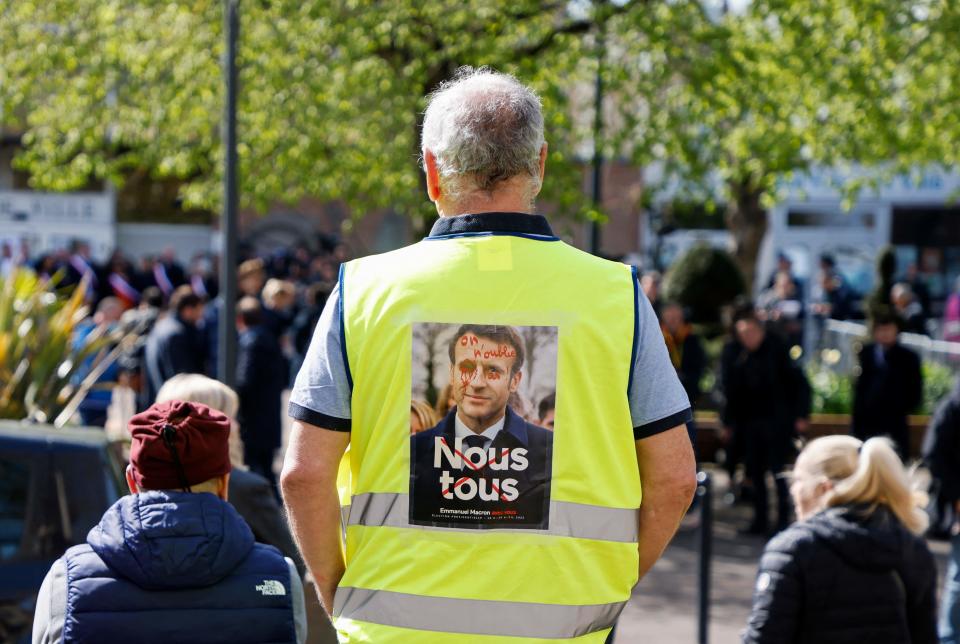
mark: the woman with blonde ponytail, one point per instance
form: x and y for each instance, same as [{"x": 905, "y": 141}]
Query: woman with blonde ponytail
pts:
[{"x": 854, "y": 568}]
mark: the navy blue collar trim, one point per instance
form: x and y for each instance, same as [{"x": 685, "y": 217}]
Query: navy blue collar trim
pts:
[{"x": 493, "y": 223}]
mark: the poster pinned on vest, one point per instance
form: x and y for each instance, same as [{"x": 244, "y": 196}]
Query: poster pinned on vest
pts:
[{"x": 481, "y": 425}]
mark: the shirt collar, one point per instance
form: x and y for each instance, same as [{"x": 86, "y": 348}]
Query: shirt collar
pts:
[
  {"x": 509, "y": 223},
  {"x": 880, "y": 353},
  {"x": 462, "y": 431}
]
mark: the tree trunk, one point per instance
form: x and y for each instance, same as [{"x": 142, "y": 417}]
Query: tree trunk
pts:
[{"x": 746, "y": 220}]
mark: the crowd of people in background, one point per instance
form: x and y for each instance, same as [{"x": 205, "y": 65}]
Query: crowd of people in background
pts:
[
  {"x": 171, "y": 313},
  {"x": 761, "y": 390},
  {"x": 764, "y": 398},
  {"x": 857, "y": 546},
  {"x": 128, "y": 278},
  {"x": 173, "y": 310},
  {"x": 784, "y": 304}
]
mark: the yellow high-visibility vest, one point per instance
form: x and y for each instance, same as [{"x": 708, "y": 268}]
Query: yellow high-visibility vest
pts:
[{"x": 421, "y": 584}]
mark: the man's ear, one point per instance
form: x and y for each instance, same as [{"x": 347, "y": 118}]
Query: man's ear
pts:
[
  {"x": 515, "y": 381},
  {"x": 543, "y": 169},
  {"x": 433, "y": 175},
  {"x": 131, "y": 482},
  {"x": 543, "y": 161}
]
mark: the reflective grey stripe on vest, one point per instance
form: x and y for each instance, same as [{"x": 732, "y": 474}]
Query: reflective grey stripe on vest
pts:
[
  {"x": 376, "y": 509},
  {"x": 344, "y": 520},
  {"x": 473, "y": 616}
]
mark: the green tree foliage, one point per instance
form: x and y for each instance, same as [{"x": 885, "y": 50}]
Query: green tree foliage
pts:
[
  {"x": 703, "y": 280},
  {"x": 332, "y": 92},
  {"x": 734, "y": 105}
]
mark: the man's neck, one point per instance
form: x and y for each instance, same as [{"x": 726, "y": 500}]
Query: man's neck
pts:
[
  {"x": 471, "y": 210},
  {"x": 503, "y": 201}
]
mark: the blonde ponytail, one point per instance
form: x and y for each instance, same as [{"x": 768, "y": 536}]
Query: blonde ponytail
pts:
[
  {"x": 868, "y": 473},
  {"x": 881, "y": 479}
]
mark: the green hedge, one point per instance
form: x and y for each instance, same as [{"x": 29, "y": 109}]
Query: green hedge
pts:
[{"x": 833, "y": 392}]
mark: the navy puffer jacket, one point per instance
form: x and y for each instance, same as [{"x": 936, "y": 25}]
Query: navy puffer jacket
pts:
[
  {"x": 845, "y": 575},
  {"x": 165, "y": 567}
]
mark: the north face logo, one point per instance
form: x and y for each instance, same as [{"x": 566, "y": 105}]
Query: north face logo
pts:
[{"x": 271, "y": 587}]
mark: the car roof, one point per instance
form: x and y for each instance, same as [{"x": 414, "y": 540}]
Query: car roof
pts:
[{"x": 22, "y": 432}]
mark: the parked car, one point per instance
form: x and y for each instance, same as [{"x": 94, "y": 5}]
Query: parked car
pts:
[{"x": 55, "y": 484}]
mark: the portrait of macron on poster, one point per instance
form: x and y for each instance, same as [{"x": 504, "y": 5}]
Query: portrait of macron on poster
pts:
[{"x": 481, "y": 425}]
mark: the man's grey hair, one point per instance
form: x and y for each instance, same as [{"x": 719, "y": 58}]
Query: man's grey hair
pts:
[{"x": 483, "y": 127}]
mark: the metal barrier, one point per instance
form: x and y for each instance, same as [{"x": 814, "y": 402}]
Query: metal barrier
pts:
[
  {"x": 840, "y": 340},
  {"x": 705, "y": 498}
]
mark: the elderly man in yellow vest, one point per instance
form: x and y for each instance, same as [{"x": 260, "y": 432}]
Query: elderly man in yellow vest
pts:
[{"x": 482, "y": 572}]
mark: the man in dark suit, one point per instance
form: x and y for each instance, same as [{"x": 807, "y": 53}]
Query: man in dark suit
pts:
[
  {"x": 482, "y": 465},
  {"x": 171, "y": 268},
  {"x": 261, "y": 377},
  {"x": 175, "y": 344},
  {"x": 766, "y": 403},
  {"x": 890, "y": 386}
]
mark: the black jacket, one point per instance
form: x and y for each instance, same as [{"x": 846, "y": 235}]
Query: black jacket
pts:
[
  {"x": 845, "y": 576},
  {"x": 841, "y": 302},
  {"x": 261, "y": 378},
  {"x": 886, "y": 392},
  {"x": 763, "y": 386},
  {"x": 941, "y": 447},
  {"x": 174, "y": 346},
  {"x": 304, "y": 325},
  {"x": 254, "y": 499}
]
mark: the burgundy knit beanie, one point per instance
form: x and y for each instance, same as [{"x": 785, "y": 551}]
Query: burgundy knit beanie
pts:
[{"x": 178, "y": 444}]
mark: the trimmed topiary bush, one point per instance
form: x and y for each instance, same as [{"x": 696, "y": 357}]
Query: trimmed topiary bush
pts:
[{"x": 704, "y": 280}]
